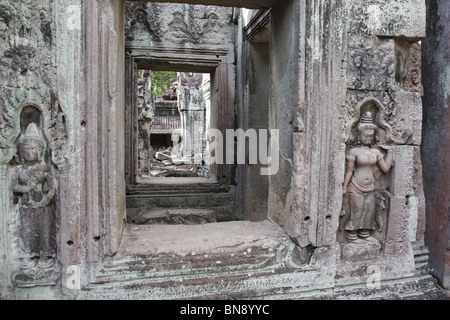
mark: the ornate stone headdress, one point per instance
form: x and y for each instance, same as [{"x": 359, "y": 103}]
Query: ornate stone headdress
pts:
[
  {"x": 32, "y": 137},
  {"x": 366, "y": 122}
]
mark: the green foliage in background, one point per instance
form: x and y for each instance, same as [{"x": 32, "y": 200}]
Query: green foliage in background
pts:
[{"x": 161, "y": 81}]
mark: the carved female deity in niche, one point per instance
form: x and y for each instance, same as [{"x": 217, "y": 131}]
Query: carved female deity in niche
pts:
[
  {"x": 34, "y": 185},
  {"x": 362, "y": 208}
]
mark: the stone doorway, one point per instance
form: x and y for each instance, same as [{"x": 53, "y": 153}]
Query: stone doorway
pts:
[
  {"x": 181, "y": 185},
  {"x": 235, "y": 99},
  {"x": 173, "y": 121},
  {"x": 315, "y": 84}
]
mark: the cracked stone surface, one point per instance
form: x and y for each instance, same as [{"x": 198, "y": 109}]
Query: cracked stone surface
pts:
[{"x": 201, "y": 239}]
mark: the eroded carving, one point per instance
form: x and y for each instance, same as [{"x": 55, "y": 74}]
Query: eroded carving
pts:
[
  {"x": 27, "y": 71},
  {"x": 371, "y": 64},
  {"x": 364, "y": 201},
  {"x": 378, "y": 16},
  {"x": 413, "y": 81},
  {"x": 176, "y": 23},
  {"x": 34, "y": 187},
  {"x": 31, "y": 151},
  {"x": 57, "y": 132},
  {"x": 400, "y": 113},
  {"x": 20, "y": 56},
  {"x": 388, "y": 70},
  {"x": 142, "y": 18}
]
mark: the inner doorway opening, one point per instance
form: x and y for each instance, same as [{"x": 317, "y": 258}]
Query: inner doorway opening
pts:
[
  {"x": 210, "y": 181},
  {"x": 173, "y": 118}
]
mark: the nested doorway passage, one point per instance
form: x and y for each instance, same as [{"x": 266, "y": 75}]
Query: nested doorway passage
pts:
[
  {"x": 175, "y": 182},
  {"x": 168, "y": 163},
  {"x": 173, "y": 118}
]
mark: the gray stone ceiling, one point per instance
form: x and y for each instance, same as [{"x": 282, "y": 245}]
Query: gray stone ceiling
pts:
[{"x": 250, "y": 4}]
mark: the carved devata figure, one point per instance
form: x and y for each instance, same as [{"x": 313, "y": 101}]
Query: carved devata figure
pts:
[
  {"x": 34, "y": 186},
  {"x": 362, "y": 203}
]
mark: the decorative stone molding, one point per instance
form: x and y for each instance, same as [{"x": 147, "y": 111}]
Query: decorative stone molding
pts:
[
  {"x": 177, "y": 24},
  {"x": 371, "y": 63},
  {"x": 413, "y": 80}
]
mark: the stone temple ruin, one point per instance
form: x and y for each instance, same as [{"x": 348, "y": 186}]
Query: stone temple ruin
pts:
[
  {"x": 299, "y": 150},
  {"x": 172, "y": 136}
]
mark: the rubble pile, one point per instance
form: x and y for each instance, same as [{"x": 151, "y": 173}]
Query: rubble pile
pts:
[{"x": 166, "y": 164}]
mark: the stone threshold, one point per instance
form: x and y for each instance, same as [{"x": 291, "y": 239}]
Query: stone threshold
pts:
[
  {"x": 238, "y": 259},
  {"x": 203, "y": 239}
]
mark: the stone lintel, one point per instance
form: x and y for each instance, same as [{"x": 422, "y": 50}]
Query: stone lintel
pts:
[
  {"x": 386, "y": 18},
  {"x": 250, "y": 4}
]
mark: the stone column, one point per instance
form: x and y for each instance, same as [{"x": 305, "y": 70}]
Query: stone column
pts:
[
  {"x": 193, "y": 110},
  {"x": 146, "y": 114},
  {"x": 306, "y": 92},
  {"x": 206, "y": 88}
]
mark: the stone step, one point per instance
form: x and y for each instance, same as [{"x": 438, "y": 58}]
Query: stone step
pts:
[
  {"x": 420, "y": 249},
  {"x": 190, "y": 267},
  {"x": 174, "y": 199},
  {"x": 423, "y": 258},
  {"x": 212, "y": 285},
  {"x": 270, "y": 282},
  {"x": 421, "y": 255},
  {"x": 152, "y": 253},
  {"x": 189, "y": 193},
  {"x": 238, "y": 259}
]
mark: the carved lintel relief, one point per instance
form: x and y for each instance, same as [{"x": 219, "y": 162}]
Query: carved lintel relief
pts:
[
  {"x": 376, "y": 16},
  {"x": 387, "y": 17},
  {"x": 176, "y": 24}
]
